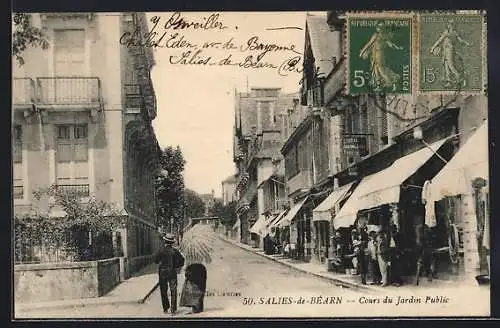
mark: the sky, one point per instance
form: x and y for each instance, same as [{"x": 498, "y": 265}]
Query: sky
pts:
[{"x": 196, "y": 102}]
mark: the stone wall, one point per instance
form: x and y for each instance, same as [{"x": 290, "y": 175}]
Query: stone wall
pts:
[
  {"x": 66, "y": 280},
  {"x": 139, "y": 262},
  {"x": 108, "y": 275}
]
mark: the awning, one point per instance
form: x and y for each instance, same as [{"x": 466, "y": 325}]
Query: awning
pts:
[
  {"x": 383, "y": 187},
  {"x": 285, "y": 221},
  {"x": 276, "y": 220},
  {"x": 470, "y": 162},
  {"x": 323, "y": 211},
  {"x": 258, "y": 225}
]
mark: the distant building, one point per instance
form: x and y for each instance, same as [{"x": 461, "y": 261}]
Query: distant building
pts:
[
  {"x": 229, "y": 190},
  {"x": 208, "y": 200},
  {"x": 257, "y": 143}
]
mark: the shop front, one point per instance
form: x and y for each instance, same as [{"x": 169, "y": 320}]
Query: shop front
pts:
[
  {"x": 295, "y": 223},
  {"x": 389, "y": 201},
  {"x": 462, "y": 189},
  {"x": 322, "y": 216}
]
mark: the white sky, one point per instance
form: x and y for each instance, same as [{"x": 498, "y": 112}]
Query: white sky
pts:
[{"x": 196, "y": 103}]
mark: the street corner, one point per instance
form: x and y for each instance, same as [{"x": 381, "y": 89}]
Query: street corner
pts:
[
  {"x": 379, "y": 52},
  {"x": 452, "y": 52}
]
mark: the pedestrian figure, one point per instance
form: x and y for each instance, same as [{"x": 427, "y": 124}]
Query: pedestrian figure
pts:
[
  {"x": 383, "y": 256},
  {"x": 395, "y": 257},
  {"x": 195, "y": 285},
  {"x": 373, "y": 258},
  {"x": 170, "y": 262},
  {"x": 426, "y": 262}
]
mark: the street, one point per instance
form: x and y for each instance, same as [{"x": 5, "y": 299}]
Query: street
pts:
[{"x": 269, "y": 285}]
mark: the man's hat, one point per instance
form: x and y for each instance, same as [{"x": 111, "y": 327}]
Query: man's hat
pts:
[{"x": 169, "y": 238}]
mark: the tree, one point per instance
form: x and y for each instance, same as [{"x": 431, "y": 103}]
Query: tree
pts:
[
  {"x": 25, "y": 35},
  {"x": 170, "y": 189},
  {"x": 194, "y": 205},
  {"x": 226, "y": 213},
  {"x": 83, "y": 232}
]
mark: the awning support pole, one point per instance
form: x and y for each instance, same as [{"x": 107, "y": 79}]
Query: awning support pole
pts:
[{"x": 435, "y": 152}]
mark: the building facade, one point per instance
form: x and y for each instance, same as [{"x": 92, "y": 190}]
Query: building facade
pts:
[
  {"x": 208, "y": 201},
  {"x": 82, "y": 113},
  {"x": 257, "y": 140},
  {"x": 347, "y": 147}
]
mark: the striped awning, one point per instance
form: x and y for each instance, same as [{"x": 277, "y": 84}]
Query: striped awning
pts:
[{"x": 323, "y": 212}]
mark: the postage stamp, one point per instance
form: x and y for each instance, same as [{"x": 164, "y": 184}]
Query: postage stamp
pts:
[
  {"x": 379, "y": 53},
  {"x": 451, "y": 52}
]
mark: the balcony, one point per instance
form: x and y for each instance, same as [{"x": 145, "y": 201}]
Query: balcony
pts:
[
  {"x": 82, "y": 190},
  {"x": 69, "y": 92},
  {"x": 23, "y": 92},
  {"x": 18, "y": 192}
]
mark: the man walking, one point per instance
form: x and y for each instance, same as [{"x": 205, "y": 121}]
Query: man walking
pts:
[{"x": 170, "y": 261}]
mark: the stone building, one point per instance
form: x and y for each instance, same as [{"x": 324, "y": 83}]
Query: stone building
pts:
[
  {"x": 257, "y": 140},
  {"x": 82, "y": 113},
  {"x": 354, "y": 160}
]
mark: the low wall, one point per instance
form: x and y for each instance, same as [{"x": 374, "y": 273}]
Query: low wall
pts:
[
  {"x": 67, "y": 280},
  {"x": 139, "y": 262},
  {"x": 108, "y": 273}
]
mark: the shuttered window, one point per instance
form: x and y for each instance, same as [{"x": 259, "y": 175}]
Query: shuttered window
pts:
[
  {"x": 17, "y": 151},
  {"x": 72, "y": 143}
]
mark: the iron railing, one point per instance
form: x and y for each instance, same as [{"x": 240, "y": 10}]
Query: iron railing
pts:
[
  {"x": 23, "y": 91},
  {"x": 81, "y": 190},
  {"x": 69, "y": 90},
  {"x": 18, "y": 192}
]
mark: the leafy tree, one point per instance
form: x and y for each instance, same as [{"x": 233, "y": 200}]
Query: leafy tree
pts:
[
  {"x": 83, "y": 233},
  {"x": 170, "y": 190},
  {"x": 226, "y": 213},
  {"x": 25, "y": 35},
  {"x": 194, "y": 205}
]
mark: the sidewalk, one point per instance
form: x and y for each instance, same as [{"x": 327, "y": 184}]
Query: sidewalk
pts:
[
  {"x": 133, "y": 290},
  {"x": 343, "y": 280}
]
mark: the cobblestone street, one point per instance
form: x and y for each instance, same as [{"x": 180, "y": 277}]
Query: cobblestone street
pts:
[{"x": 233, "y": 272}]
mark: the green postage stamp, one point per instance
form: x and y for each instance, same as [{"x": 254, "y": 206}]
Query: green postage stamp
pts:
[
  {"x": 451, "y": 52},
  {"x": 379, "y": 53}
]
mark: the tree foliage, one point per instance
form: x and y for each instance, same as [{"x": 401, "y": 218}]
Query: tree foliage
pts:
[
  {"x": 195, "y": 207},
  {"x": 80, "y": 219},
  {"x": 25, "y": 35},
  {"x": 170, "y": 189},
  {"x": 226, "y": 213}
]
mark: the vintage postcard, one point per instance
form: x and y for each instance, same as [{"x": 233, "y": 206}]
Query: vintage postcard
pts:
[{"x": 173, "y": 165}]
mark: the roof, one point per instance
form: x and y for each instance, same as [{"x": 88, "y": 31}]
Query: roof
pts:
[{"x": 322, "y": 42}]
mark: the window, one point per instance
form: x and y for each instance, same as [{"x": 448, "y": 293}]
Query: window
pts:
[
  {"x": 72, "y": 143},
  {"x": 17, "y": 151},
  {"x": 69, "y": 52}
]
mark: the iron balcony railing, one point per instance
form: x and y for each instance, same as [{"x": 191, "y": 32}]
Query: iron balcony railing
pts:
[
  {"x": 23, "y": 91},
  {"x": 82, "y": 190},
  {"x": 69, "y": 90},
  {"x": 18, "y": 192}
]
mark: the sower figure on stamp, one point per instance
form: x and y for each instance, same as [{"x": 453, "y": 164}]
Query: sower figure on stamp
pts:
[
  {"x": 446, "y": 47},
  {"x": 170, "y": 262}
]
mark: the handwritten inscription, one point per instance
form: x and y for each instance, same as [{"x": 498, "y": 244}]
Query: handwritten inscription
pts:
[{"x": 195, "y": 48}]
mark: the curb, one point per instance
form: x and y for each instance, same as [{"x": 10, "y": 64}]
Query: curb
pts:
[{"x": 341, "y": 282}]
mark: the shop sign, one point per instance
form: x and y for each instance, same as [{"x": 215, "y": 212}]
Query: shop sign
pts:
[{"x": 355, "y": 146}]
